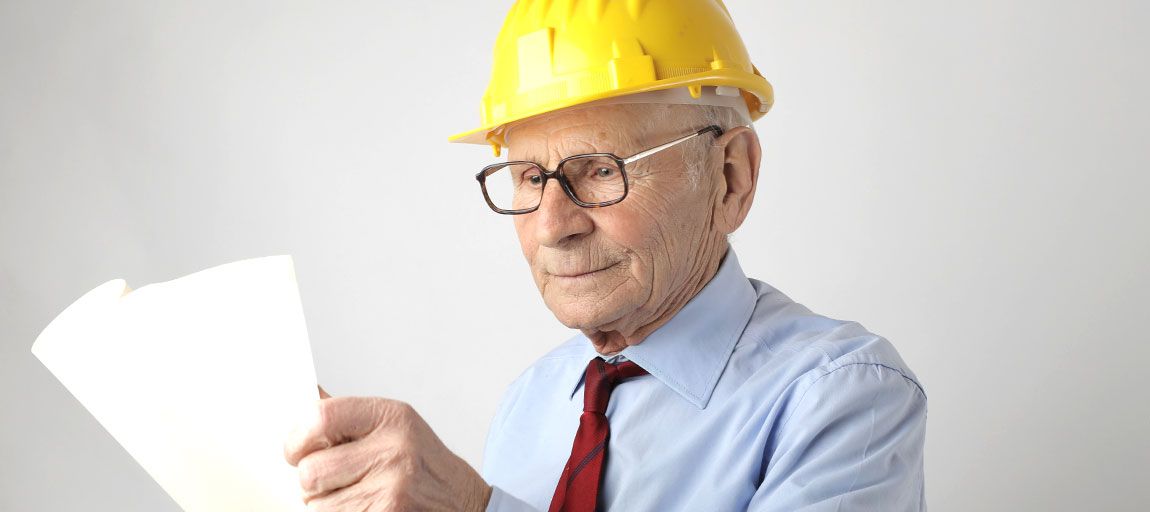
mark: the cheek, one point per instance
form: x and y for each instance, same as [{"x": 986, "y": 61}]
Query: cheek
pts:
[
  {"x": 526, "y": 241},
  {"x": 645, "y": 226},
  {"x": 627, "y": 229},
  {"x": 658, "y": 236},
  {"x": 638, "y": 230}
]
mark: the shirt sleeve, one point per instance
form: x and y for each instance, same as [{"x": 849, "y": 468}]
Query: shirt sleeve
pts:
[
  {"x": 853, "y": 440},
  {"x": 501, "y": 501}
]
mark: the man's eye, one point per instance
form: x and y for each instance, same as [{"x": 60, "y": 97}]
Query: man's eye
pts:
[
  {"x": 604, "y": 172},
  {"x": 534, "y": 179}
]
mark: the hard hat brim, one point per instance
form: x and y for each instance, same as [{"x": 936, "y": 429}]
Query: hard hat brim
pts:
[{"x": 755, "y": 89}]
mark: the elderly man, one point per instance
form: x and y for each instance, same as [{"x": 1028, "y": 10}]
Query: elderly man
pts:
[{"x": 690, "y": 387}]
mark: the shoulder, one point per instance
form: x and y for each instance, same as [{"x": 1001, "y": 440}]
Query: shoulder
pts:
[
  {"x": 806, "y": 349},
  {"x": 551, "y": 371},
  {"x": 571, "y": 354},
  {"x": 844, "y": 416}
]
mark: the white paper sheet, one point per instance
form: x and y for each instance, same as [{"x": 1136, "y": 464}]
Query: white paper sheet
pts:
[{"x": 200, "y": 379}]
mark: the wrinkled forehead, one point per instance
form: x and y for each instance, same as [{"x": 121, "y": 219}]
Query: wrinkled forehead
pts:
[{"x": 615, "y": 129}]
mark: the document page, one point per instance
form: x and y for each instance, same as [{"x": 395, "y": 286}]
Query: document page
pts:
[{"x": 200, "y": 379}]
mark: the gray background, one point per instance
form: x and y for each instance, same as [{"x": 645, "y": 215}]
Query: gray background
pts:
[{"x": 967, "y": 178}]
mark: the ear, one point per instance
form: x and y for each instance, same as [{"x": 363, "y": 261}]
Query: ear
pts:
[{"x": 740, "y": 176}]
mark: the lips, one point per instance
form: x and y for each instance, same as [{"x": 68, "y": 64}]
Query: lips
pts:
[{"x": 572, "y": 274}]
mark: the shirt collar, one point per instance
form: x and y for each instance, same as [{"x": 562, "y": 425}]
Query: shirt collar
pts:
[{"x": 689, "y": 352}]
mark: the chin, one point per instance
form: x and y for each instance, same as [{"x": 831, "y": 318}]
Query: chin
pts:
[
  {"x": 585, "y": 312},
  {"x": 576, "y": 316}
]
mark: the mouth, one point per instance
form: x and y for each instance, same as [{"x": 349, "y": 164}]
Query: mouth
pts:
[{"x": 578, "y": 275}]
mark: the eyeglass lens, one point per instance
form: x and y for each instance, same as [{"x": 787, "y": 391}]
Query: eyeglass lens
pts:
[{"x": 592, "y": 179}]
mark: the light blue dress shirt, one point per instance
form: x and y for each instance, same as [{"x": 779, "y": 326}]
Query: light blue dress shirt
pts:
[{"x": 753, "y": 402}]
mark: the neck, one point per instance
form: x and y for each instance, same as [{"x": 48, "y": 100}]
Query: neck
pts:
[{"x": 612, "y": 341}]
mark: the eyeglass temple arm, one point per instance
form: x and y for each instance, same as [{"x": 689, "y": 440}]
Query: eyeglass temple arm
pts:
[{"x": 718, "y": 133}]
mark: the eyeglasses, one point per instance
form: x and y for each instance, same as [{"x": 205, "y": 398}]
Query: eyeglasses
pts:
[{"x": 591, "y": 180}]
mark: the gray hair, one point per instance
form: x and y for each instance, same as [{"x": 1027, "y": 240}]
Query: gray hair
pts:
[{"x": 695, "y": 117}]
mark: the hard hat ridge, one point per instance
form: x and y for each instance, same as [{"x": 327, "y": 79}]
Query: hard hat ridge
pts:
[{"x": 554, "y": 54}]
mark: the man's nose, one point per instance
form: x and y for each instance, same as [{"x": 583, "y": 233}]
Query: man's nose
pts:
[{"x": 558, "y": 218}]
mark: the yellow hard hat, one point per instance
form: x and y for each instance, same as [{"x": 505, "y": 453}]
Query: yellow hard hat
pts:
[{"x": 553, "y": 54}]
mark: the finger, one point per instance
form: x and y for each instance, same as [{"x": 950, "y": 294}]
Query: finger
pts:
[
  {"x": 337, "y": 500},
  {"x": 324, "y": 471},
  {"x": 338, "y": 420},
  {"x": 322, "y": 392},
  {"x": 301, "y": 440}
]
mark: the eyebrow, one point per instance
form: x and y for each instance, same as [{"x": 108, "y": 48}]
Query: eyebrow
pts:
[
  {"x": 530, "y": 156},
  {"x": 533, "y": 156}
]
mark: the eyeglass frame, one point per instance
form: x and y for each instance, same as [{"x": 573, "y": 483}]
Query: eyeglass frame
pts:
[{"x": 558, "y": 175}]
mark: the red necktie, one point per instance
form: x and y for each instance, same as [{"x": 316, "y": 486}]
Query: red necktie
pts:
[{"x": 578, "y": 487}]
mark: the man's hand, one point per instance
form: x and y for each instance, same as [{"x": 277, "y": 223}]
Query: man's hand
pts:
[{"x": 375, "y": 454}]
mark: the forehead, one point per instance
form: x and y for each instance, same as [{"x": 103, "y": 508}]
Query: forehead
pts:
[{"x": 602, "y": 127}]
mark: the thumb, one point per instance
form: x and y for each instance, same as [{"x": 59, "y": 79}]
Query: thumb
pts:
[{"x": 322, "y": 393}]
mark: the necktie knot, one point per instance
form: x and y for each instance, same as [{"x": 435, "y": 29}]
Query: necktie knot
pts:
[{"x": 601, "y": 378}]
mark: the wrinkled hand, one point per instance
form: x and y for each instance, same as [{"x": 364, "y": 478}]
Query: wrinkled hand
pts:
[{"x": 375, "y": 454}]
